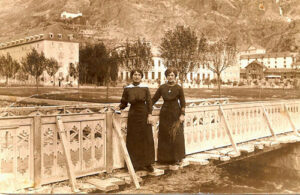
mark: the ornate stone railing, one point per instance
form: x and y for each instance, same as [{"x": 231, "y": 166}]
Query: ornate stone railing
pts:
[{"x": 31, "y": 148}]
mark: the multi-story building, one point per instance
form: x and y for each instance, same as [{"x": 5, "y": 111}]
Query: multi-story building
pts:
[
  {"x": 61, "y": 47},
  {"x": 272, "y": 65},
  {"x": 194, "y": 79},
  {"x": 156, "y": 75}
]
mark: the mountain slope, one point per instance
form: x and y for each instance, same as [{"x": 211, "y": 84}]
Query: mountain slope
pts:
[{"x": 270, "y": 23}]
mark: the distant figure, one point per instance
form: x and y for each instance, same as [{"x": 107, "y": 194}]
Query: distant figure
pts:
[
  {"x": 171, "y": 148},
  {"x": 139, "y": 139}
]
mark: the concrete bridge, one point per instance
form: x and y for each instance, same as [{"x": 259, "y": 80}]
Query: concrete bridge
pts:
[{"x": 42, "y": 145}]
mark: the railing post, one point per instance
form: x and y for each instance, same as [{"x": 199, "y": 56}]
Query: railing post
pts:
[
  {"x": 109, "y": 140},
  {"x": 228, "y": 131},
  {"x": 268, "y": 121},
  {"x": 37, "y": 151},
  {"x": 290, "y": 119}
]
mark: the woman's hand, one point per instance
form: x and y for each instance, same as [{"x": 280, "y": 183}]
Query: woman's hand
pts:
[
  {"x": 181, "y": 118},
  {"x": 117, "y": 109},
  {"x": 149, "y": 119}
]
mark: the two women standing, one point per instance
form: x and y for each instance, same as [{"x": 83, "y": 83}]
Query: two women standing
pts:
[{"x": 139, "y": 140}]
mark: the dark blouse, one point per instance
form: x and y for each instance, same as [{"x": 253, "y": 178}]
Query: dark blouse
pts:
[
  {"x": 170, "y": 93},
  {"x": 136, "y": 94}
]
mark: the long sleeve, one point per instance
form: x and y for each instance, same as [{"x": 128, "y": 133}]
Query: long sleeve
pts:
[
  {"x": 149, "y": 101},
  {"x": 156, "y": 96},
  {"x": 124, "y": 100},
  {"x": 182, "y": 100}
]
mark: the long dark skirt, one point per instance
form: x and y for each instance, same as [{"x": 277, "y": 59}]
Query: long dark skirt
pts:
[
  {"x": 139, "y": 139},
  {"x": 170, "y": 149}
]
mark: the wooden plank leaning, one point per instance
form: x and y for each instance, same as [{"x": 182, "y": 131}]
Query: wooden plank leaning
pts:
[
  {"x": 228, "y": 131},
  {"x": 268, "y": 121},
  {"x": 290, "y": 119},
  {"x": 125, "y": 153},
  {"x": 66, "y": 148}
]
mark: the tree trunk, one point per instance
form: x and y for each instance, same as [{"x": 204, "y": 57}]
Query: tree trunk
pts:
[
  {"x": 37, "y": 84},
  {"x": 6, "y": 81},
  {"x": 219, "y": 85},
  {"x": 107, "y": 88}
]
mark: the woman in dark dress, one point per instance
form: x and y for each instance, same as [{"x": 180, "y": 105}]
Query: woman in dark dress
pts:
[
  {"x": 139, "y": 139},
  {"x": 171, "y": 148}
]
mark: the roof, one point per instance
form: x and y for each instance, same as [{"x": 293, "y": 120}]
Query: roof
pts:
[
  {"x": 255, "y": 46},
  {"x": 36, "y": 38},
  {"x": 256, "y": 62}
]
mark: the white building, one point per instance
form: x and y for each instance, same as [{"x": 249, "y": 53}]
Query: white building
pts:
[
  {"x": 281, "y": 63},
  {"x": 58, "y": 46},
  {"x": 66, "y": 15},
  {"x": 156, "y": 75}
]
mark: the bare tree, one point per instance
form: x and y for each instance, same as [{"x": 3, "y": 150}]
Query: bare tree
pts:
[
  {"x": 217, "y": 56},
  {"x": 178, "y": 48}
]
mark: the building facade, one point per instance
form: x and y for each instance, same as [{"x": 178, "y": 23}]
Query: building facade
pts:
[
  {"x": 156, "y": 75},
  {"x": 275, "y": 65},
  {"x": 58, "y": 46}
]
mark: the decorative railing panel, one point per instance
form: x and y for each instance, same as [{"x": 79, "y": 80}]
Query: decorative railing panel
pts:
[
  {"x": 31, "y": 148},
  {"x": 86, "y": 134},
  {"x": 16, "y": 155}
]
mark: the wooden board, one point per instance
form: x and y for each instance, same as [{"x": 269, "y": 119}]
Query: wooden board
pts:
[{"x": 66, "y": 148}]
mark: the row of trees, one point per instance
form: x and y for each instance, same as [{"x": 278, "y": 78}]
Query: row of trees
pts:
[
  {"x": 100, "y": 65},
  {"x": 34, "y": 64},
  {"x": 180, "y": 48}
]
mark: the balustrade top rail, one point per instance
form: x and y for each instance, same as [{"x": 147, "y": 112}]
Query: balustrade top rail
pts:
[{"x": 88, "y": 108}]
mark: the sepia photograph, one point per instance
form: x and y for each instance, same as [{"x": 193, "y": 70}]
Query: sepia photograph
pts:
[{"x": 150, "y": 96}]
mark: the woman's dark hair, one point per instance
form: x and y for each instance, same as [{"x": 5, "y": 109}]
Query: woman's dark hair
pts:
[
  {"x": 136, "y": 70},
  {"x": 170, "y": 70}
]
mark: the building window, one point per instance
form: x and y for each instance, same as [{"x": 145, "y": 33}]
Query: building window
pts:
[
  {"x": 159, "y": 74},
  {"x": 127, "y": 75},
  {"x": 153, "y": 63},
  {"x": 203, "y": 76},
  {"x": 158, "y": 63},
  {"x": 153, "y": 75},
  {"x": 284, "y": 66},
  {"x": 198, "y": 76},
  {"x": 275, "y": 66},
  {"x": 191, "y": 76}
]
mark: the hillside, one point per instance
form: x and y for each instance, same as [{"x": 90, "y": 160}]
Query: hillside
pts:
[{"x": 274, "y": 24}]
